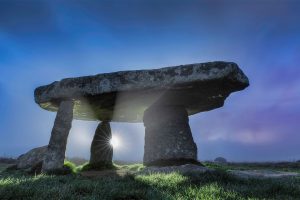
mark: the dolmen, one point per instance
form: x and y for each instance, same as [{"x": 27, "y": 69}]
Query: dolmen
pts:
[{"x": 162, "y": 99}]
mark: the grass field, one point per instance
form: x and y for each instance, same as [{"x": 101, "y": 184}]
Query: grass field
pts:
[
  {"x": 209, "y": 185},
  {"x": 3, "y": 166},
  {"x": 281, "y": 166}
]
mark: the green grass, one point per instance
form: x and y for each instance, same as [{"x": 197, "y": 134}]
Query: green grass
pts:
[
  {"x": 132, "y": 167},
  {"x": 99, "y": 166},
  {"x": 209, "y": 185},
  {"x": 281, "y": 166},
  {"x": 71, "y": 166},
  {"x": 5, "y": 166}
]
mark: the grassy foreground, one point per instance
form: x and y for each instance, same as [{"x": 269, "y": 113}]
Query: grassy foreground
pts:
[{"x": 209, "y": 185}]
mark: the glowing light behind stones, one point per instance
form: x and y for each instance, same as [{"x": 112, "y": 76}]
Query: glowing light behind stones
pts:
[
  {"x": 114, "y": 141},
  {"x": 80, "y": 138}
]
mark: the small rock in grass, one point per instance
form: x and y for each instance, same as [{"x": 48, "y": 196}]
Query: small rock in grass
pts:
[
  {"x": 32, "y": 158},
  {"x": 220, "y": 160}
]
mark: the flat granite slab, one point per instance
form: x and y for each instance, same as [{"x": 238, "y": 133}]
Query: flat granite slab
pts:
[{"x": 124, "y": 96}]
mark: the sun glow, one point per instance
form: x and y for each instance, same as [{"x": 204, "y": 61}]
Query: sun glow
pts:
[{"x": 114, "y": 142}]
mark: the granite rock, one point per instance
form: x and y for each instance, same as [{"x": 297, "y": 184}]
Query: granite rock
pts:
[
  {"x": 31, "y": 158},
  {"x": 168, "y": 137},
  {"x": 124, "y": 96},
  {"x": 55, "y": 155},
  {"x": 101, "y": 149}
]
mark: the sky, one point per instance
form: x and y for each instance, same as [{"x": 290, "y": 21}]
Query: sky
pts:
[{"x": 43, "y": 41}]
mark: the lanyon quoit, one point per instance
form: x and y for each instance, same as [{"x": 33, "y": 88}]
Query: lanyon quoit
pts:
[{"x": 160, "y": 98}]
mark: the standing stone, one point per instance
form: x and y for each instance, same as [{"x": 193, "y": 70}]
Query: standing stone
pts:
[
  {"x": 101, "y": 150},
  {"x": 168, "y": 137},
  {"x": 55, "y": 155}
]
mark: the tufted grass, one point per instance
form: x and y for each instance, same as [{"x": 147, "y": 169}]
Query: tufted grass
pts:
[
  {"x": 71, "y": 166},
  {"x": 3, "y": 167},
  {"x": 99, "y": 166},
  {"x": 281, "y": 166},
  {"x": 132, "y": 167},
  {"x": 209, "y": 185}
]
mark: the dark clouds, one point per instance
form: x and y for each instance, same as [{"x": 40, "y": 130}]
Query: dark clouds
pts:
[{"x": 24, "y": 17}]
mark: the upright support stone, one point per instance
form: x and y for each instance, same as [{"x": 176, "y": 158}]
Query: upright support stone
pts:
[
  {"x": 55, "y": 155},
  {"x": 101, "y": 150},
  {"x": 168, "y": 137}
]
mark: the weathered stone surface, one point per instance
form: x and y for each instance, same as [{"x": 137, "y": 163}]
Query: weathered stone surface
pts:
[
  {"x": 55, "y": 155},
  {"x": 101, "y": 150},
  {"x": 262, "y": 174},
  {"x": 183, "y": 169},
  {"x": 168, "y": 137},
  {"x": 124, "y": 96},
  {"x": 32, "y": 158}
]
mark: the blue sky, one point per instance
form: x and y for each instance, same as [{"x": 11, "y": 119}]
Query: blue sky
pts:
[{"x": 43, "y": 41}]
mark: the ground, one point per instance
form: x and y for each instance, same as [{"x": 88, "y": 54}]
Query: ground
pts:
[{"x": 122, "y": 185}]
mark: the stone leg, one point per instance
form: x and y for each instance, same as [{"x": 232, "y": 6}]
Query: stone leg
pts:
[
  {"x": 101, "y": 150},
  {"x": 55, "y": 155},
  {"x": 168, "y": 137}
]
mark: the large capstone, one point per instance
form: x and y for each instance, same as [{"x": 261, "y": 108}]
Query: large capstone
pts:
[
  {"x": 168, "y": 137},
  {"x": 101, "y": 150},
  {"x": 124, "y": 96},
  {"x": 55, "y": 155}
]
